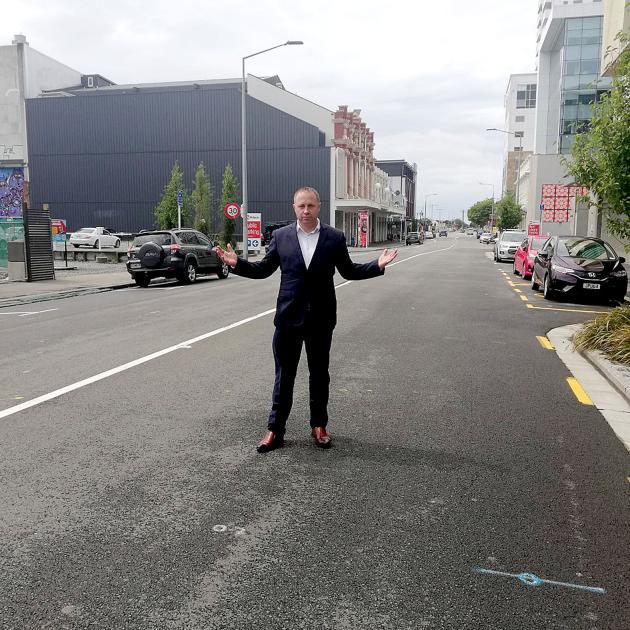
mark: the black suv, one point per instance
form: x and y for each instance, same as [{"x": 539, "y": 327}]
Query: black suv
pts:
[{"x": 180, "y": 254}]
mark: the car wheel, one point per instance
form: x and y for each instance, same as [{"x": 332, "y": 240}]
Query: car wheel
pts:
[
  {"x": 96, "y": 244},
  {"x": 142, "y": 280},
  {"x": 548, "y": 292},
  {"x": 223, "y": 271},
  {"x": 190, "y": 274},
  {"x": 117, "y": 243},
  {"x": 535, "y": 285}
]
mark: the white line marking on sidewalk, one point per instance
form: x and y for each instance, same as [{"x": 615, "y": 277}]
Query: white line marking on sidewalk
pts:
[{"x": 160, "y": 353}]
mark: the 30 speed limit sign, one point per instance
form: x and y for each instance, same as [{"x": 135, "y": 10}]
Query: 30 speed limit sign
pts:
[{"x": 232, "y": 210}]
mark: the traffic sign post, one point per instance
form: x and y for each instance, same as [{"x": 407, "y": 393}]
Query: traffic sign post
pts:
[
  {"x": 180, "y": 203},
  {"x": 253, "y": 231},
  {"x": 232, "y": 210}
]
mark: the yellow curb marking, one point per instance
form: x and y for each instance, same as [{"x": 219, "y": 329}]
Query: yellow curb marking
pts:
[
  {"x": 524, "y": 298},
  {"x": 566, "y": 310},
  {"x": 518, "y": 291},
  {"x": 579, "y": 392},
  {"x": 545, "y": 343}
]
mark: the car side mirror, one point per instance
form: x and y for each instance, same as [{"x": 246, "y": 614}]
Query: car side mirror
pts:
[{"x": 622, "y": 259}]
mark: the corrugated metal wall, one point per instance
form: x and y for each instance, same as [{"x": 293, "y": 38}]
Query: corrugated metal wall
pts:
[{"x": 104, "y": 157}]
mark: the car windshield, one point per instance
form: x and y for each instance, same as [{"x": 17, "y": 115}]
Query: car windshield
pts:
[
  {"x": 512, "y": 237},
  {"x": 88, "y": 230},
  {"x": 158, "y": 239},
  {"x": 577, "y": 247},
  {"x": 538, "y": 242}
]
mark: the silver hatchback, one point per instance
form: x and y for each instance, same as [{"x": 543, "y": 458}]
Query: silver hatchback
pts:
[{"x": 507, "y": 244}]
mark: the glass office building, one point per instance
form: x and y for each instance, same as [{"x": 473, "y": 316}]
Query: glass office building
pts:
[{"x": 581, "y": 84}]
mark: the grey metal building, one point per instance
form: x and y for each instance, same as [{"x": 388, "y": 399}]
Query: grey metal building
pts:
[
  {"x": 102, "y": 156},
  {"x": 402, "y": 182}
]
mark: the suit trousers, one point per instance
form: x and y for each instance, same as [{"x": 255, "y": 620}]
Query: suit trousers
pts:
[{"x": 287, "y": 348}]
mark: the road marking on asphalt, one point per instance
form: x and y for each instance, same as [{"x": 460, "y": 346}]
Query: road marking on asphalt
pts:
[
  {"x": 531, "y": 579},
  {"x": 27, "y": 313},
  {"x": 566, "y": 310},
  {"x": 160, "y": 353},
  {"x": 524, "y": 298},
  {"x": 578, "y": 390},
  {"x": 517, "y": 290},
  {"x": 545, "y": 343}
]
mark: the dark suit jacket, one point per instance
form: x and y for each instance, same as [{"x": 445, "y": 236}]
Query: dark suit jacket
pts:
[{"x": 307, "y": 291}]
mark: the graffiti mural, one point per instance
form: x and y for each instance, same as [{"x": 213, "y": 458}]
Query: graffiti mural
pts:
[{"x": 11, "y": 192}]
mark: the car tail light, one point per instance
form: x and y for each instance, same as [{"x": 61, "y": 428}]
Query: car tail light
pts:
[{"x": 175, "y": 249}]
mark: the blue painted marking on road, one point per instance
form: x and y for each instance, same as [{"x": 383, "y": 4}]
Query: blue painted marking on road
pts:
[{"x": 530, "y": 579}]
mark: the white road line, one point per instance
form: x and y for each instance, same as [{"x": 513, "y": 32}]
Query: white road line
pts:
[
  {"x": 160, "y": 353},
  {"x": 27, "y": 313}
]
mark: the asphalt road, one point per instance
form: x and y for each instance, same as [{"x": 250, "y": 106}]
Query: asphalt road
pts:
[{"x": 461, "y": 460}]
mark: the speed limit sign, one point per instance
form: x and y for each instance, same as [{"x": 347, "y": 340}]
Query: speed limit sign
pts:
[{"x": 232, "y": 210}]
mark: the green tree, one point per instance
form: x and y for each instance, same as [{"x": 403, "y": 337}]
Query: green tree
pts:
[
  {"x": 229, "y": 192},
  {"x": 509, "y": 212},
  {"x": 166, "y": 211},
  {"x": 201, "y": 200},
  {"x": 480, "y": 212},
  {"x": 600, "y": 159}
]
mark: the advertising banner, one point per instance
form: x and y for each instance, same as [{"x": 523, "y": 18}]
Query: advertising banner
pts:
[
  {"x": 363, "y": 228},
  {"x": 59, "y": 229},
  {"x": 533, "y": 229},
  {"x": 11, "y": 192},
  {"x": 254, "y": 234}
]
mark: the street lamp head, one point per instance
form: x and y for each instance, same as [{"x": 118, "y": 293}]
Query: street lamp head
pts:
[
  {"x": 294, "y": 42},
  {"x": 492, "y": 129}
]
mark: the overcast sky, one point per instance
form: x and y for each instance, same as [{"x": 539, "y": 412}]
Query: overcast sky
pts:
[{"x": 428, "y": 76}]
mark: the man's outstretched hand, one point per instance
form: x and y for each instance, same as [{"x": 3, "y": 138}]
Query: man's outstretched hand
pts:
[
  {"x": 229, "y": 257},
  {"x": 385, "y": 258}
]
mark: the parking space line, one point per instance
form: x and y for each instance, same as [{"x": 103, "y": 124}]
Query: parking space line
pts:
[
  {"x": 517, "y": 291},
  {"x": 524, "y": 298},
  {"x": 544, "y": 342},
  {"x": 566, "y": 310},
  {"x": 578, "y": 391}
]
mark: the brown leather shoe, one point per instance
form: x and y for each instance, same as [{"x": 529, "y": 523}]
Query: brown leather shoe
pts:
[
  {"x": 321, "y": 437},
  {"x": 270, "y": 442}
]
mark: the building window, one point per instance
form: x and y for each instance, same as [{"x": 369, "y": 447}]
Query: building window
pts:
[
  {"x": 519, "y": 134},
  {"x": 90, "y": 81},
  {"x": 519, "y": 119},
  {"x": 526, "y": 96},
  {"x": 518, "y": 148}
]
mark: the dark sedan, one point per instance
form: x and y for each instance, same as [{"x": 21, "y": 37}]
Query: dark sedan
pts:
[{"x": 570, "y": 265}]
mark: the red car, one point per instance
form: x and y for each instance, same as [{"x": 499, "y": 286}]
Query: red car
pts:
[{"x": 525, "y": 254}]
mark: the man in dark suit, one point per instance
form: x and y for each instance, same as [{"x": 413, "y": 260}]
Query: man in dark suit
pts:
[{"x": 307, "y": 253}]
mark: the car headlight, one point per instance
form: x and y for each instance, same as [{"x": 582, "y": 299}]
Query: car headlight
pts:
[
  {"x": 620, "y": 273},
  {"x": 560, "y": 269}
]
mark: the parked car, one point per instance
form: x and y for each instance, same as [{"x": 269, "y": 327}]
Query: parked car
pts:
[
  {"x": 415, "y": 237},
  {"x": 270, "y": 228},
  {"x": 94, "y": 237},
  {"x": 525, "y": 254},
  {"x": 573, "y": 265},
  {"x": 506, "y": 244},
  {"x": 443, "y": 233},
  {"x": 485, "y": 237},
  {"x": 471, "y": 232},
  {"x": 428, "y": 234},
  {"x": 181, "y": 254}
]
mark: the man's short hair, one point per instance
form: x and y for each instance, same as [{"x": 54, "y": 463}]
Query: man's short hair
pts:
[{"x": 307, "y": 189}]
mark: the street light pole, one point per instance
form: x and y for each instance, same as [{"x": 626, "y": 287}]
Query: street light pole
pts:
[{"x": 244, "y": 139}]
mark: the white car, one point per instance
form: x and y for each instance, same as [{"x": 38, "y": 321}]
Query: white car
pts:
[
  {"x": 428, "y": 234},
  {"x": 485, "y": 237},
  {"x": 97, "y": 237}
]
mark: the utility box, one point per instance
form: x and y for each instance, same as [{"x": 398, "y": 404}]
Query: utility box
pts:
[
  {"x": 38, "y": 240},
  {"x": 17, "y": 260}
]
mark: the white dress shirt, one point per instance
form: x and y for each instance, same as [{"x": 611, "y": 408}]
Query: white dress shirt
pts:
[{"x": 308, "y": 242}]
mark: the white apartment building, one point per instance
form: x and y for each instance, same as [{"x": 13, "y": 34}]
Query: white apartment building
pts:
[
  {"x": 520, "y": 121},
  {"x": 569, "y": 42}
]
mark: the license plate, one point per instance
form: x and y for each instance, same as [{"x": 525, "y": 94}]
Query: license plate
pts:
[
  {"x": 134, "y": 264},
  {"x": 591, "y": 285}
]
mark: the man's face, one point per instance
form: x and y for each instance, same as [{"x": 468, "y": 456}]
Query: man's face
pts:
[{"x": 306, "y": 209}]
